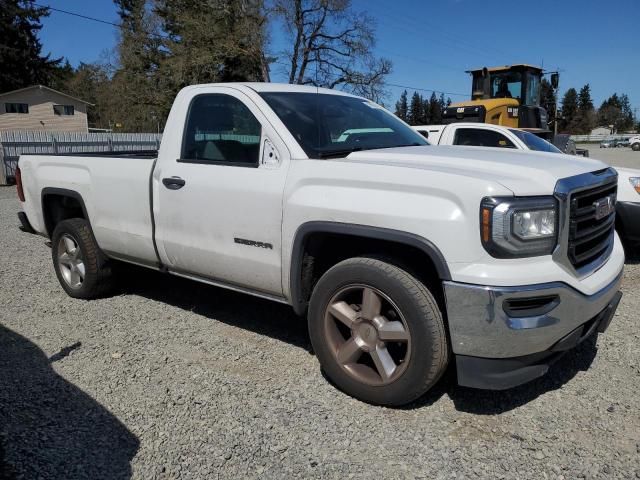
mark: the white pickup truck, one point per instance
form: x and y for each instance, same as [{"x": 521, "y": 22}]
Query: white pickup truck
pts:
[
  {"x": 404, "y": 256},
  {"x": 496, "y": 136},
  {"x": 484, "y": 135}
]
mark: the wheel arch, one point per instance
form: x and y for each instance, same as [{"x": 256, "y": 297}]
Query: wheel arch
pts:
[
  {"x": 60, "y": 204},
  {"x": 301, "y": 278}
]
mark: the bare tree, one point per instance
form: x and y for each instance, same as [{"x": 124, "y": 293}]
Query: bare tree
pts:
[{"x": 331, "y": 46}]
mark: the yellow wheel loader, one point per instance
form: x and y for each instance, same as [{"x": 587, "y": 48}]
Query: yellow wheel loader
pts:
[{"x": 508, "y": 95}]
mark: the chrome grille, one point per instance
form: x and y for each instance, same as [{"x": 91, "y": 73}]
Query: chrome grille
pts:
[
  {"x": 590, "y": 232},
  {"x": 586, "y": 229}
]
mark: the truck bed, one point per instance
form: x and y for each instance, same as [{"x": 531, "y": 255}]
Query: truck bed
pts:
[
  {"x": 114, "y": 188},
  {"x": 124, "y": 154}
]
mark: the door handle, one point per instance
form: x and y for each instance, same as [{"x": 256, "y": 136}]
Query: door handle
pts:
[{"x": 173, "y": 183}]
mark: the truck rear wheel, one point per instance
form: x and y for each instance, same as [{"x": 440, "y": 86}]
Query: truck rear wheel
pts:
[
  {"x": 82, "y": 269},
  {"x": 377, "y": 332},
  {"x": 635, "y": 147}
]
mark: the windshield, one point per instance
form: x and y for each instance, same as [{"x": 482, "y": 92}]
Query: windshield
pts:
[
  {"x": 328, "y": 125},
  {"x": 534, "y": 142},
  {"x": 506, "y": 85},
  {"x": 533, "y": 89}
]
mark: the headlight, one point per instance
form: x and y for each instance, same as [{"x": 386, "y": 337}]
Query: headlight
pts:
[
  {"x": 513, "y": 227},
  {"x": 635, "y": 183}
]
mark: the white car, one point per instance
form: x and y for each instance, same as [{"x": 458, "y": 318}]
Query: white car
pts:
[
  {"x": 628, "y": 208},
  {"x": 403, "y": 256},
  {"x": 634, "y": 143},
  {"x": 486, "y": 135}
]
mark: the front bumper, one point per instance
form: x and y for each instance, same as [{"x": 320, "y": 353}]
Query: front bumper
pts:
[
  {"x": 505, "y": 336},
  {"x": 629, "y": 217},
  {"x": 503, "y": 373}
]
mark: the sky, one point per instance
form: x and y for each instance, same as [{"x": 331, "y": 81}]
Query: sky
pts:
[{"x": 432, "y": 42}]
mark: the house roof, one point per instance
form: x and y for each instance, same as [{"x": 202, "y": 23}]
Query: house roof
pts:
[{"x": 43, "y": 87}]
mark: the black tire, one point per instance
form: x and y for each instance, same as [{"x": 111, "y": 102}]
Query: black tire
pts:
[
  {"x": 429, "y": 350},
  {"x": 98, "y": 278},
  {"x": 635, "y": 147}
]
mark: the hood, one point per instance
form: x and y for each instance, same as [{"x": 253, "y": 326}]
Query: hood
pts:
[
  {"x": 627, "y": 172},
  {"x": 524, "y": 172}
]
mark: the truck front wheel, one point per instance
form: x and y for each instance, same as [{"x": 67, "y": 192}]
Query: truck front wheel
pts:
[
  {"x": 377, "y": 332},
  {"x": 636, "y": 147},
  {"x": 82, "y": 269}
]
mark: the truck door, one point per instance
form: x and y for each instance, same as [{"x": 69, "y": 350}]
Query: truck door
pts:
[{"x": 218, "y": 196}]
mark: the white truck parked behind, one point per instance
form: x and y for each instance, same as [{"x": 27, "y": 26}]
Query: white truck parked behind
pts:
[
  {"x": 484, "y": 135},
  {"x": 404, "y": 256}
]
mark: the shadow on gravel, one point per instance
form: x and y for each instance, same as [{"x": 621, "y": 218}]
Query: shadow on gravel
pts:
[
  {"x": 263, "y": 317},
  {"x": 488, "y": 402},
  {"x": 49, "y": 428}
]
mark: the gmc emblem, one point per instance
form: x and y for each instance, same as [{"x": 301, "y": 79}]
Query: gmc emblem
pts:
[{"x": 604, "y": 207}]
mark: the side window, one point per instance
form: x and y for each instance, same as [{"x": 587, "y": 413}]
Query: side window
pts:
[
  {"x": 481, "y": 138},
  {"x": 16, "y": 108},
  {"x": 63, "y": 110},
  {"x": 221, "y": 129}
]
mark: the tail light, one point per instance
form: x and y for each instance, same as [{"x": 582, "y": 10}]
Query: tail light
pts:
[{"x": 19, "y": 184}]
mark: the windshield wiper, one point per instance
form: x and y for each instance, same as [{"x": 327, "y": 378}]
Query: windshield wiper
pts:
[
  {"x": 346, "y": 151},
  {"x": 338, "y": 153}
]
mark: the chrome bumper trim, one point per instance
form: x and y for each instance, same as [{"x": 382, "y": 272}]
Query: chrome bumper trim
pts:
[{"x": 480, "y": 327}]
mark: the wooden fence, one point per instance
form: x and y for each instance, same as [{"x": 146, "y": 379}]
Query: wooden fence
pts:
[{"x": 15, "y": 143}]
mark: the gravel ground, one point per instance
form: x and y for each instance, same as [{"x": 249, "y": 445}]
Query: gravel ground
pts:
[
  {"x": 618, "y": 157},
  {"x": 171, "y": 379}
]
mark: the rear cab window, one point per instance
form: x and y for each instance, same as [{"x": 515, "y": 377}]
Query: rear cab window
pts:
[{"x": 481, "y": 138}]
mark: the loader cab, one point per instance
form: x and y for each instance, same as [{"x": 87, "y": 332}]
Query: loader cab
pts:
[
  {"x": 508, "y": 95},
  {"x": 520, "y": 82}
]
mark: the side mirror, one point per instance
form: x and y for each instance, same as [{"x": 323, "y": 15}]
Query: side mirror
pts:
[
  {"x": 555, "y": 80},
  {"x": 270, "y": 155}
]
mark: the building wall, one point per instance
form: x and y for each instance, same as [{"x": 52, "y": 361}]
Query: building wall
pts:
[
  {"x": 41, "y": 116},
  {"x": 601, "y": 131}
]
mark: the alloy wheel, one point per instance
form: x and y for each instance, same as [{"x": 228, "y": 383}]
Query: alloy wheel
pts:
[
  {"x": 367, "y": 334},
  {"x": 71, "y": 261}
]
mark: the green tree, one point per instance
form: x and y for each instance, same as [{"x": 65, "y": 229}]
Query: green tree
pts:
[
  {"x": 402, "y": 107},
  {"x": 416, "y": 110},
  {"x": 140, "y": 94},
  {"x": 90, "y": 82},
  {"x": 627, "y": 113},
  {"x": 426, "y": 111},
  {"x": 21, "y": 58},
  {"x": 569, "y": 111},
  {"x": 548, "y": 101},
  {"x": 214, "y": 41},
  {"x": 616, "y": 112},
  {"x": 435, "y": 109},
  {"x": 585, "y": 114}
]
